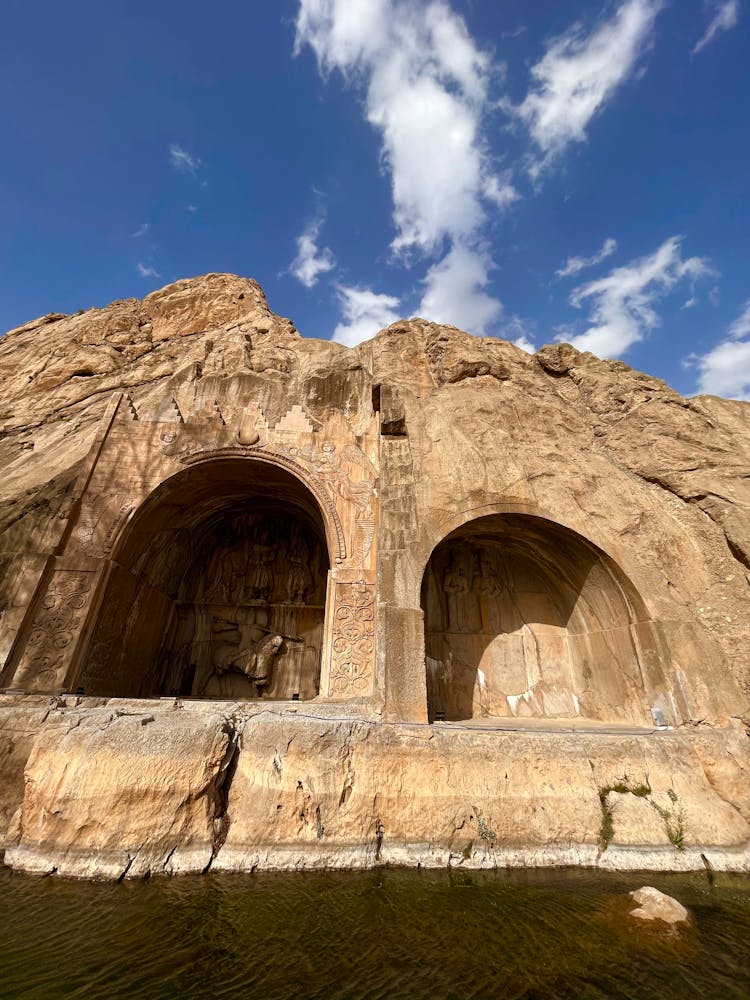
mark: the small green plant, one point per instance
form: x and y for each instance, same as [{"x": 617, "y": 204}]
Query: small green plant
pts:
[
  {"x": 641, "y": 791},
  {"x": 620, "y": 787},
  {"x": 673, "y": 819},
  {"x": 485, "y": 832},
  {"x": 607, "y": 827}
]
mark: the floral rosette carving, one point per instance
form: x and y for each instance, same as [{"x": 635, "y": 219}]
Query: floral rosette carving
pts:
[
  {"x": 56, "y": 626},
  {"x": 353, "y": 639}
]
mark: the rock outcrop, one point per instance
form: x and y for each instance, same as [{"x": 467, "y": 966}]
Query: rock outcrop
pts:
[{"x": 510, "y": 591}]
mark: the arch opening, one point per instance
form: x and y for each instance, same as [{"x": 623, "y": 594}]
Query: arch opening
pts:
[
  {"x": 217, "y": 589},
  {"x": 526, "y": 619}
]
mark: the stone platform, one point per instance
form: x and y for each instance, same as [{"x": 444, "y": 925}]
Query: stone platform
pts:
[{"x": 111, "y": 788}]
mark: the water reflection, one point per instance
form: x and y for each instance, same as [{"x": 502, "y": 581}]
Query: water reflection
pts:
[{"x": 379, "y": 934}]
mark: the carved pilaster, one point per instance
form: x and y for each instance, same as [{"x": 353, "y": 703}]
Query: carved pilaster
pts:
[
  {"x": 55, "y": 630},
  {"x": 353, "y": 640}
]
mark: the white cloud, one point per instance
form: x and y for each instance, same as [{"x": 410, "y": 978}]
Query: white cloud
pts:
[
  {"x": 741, "y": 326},
  {"x": 725, "y": 370},
  {"x": 364, "y": 312},
  {"x": 310, "y": 260},
  {"x": 192, "y": 208},
  {"x": 147, "y": 270},
  {"x": 426, "y": 93},
  {"x": 726, "y": 14},
  {"x": 518, "y": 332},
  {"x": 182, "y": 160},
  {"x": 454, "y": 291},
  {"x": 574, "y": 265},
  {"x": 525, "y": 344},
  {"x": 622, "y": 303},
  {"x": 580, "y": 72},
  {"x": 141, "y": 230}
]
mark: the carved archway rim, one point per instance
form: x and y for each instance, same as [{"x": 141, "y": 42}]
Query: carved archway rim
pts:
[{"x": 334, "y": 529}]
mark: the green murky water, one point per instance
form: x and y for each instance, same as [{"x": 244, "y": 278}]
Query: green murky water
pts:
[{"x": 380, "y": 934}]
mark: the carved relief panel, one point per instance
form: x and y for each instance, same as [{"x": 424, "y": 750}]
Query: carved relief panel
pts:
[
  {"x": 353, "y": 642},
  {"x": 51, "y": 643}
]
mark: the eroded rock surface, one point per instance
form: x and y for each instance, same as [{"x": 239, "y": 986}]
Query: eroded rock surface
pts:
[
  {"x": 478, "y": 536},
  {"x": 124, "y": 789}
]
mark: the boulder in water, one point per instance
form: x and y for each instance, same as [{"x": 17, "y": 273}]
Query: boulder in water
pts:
[{"x": 655, "y": 905}]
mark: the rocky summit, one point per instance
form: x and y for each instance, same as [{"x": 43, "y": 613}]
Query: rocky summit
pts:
[{"x": 268, "y": 601}]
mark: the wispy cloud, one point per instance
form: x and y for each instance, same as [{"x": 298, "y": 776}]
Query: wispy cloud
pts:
[
  {"x": 311, "y": 261},
  {"x": 579, "y": 73},
  {"x": 426, "y": 91},
  {"x": 182, "y": 160},
  {"x": 147, "y": 270},
  {"x": 622, "y": 303},
  {"x": 574, "y": 265},
  {"x": 726, "y": 14},
  {"x": 426, "y": 86},
  {"x": 142, "y": 230},
  {"x": 454, "y": 292},
  {"x": 364, "y": 312},
  {"x": 725, "y": 370},
  {"x": 519, "y": 332},
  {"x": 740, "y": 329}
]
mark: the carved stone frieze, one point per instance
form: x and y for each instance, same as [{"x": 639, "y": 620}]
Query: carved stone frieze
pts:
[
  {"x": 100, "y": 521},
  {"x": 353, "y": 652},
  {"x": 287, "y": 460}
]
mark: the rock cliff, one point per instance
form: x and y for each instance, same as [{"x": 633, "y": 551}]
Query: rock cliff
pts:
[{"x": 658, "y": 486}]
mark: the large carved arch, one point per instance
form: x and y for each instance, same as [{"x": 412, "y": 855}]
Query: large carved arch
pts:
[
  {"x": 527, "y": 618},
  {"x": 219, "y": 559}
]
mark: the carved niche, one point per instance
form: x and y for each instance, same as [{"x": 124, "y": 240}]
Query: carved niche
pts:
[{"x": 250, "y": 611}]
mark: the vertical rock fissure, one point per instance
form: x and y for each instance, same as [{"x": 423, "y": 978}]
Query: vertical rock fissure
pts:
[{"x": 221, "y": 786}]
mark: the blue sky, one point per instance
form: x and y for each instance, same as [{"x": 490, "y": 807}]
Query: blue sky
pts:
[{"x": 538, "y": 171}]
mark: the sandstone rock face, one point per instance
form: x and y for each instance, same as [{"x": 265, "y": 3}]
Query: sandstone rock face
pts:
[
  {"x": 128, "y": 788},
  {"x": 458, "y": 556}
]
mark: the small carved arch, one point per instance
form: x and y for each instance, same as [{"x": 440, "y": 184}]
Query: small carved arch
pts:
[{"x": 463, "y": 518}]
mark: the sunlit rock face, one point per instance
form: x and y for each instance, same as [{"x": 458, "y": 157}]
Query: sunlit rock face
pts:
[{"x": 432, "y": 534}]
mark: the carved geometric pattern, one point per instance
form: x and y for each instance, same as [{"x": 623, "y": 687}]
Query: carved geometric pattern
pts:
[
  {"x": 295, "y": 421},
  {"x": 130, "y": 407},
  {"x": 166, "y": 411},
  {"x": 353, "y": 657}
]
